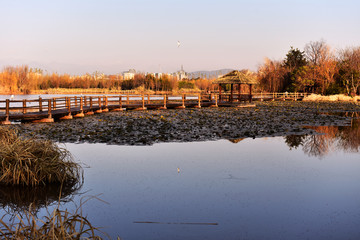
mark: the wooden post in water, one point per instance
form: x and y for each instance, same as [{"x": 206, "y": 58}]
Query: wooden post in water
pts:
[
  {"x": 90, "y": 112},
  {"x": 68, "y": 106},
  {"x": 49, "y": 119},
  {"x": 24, "y": 106},
  {"x": 99, "y": 104},
  {"x": 120, "y": 108},
  {"x": 106, "y": 109},
  {"x": 81, "y": 113}
]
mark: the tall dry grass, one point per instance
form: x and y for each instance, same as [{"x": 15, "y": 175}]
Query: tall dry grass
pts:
[{"x": 33, "y": 162}]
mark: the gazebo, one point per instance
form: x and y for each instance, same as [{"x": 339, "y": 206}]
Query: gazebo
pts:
[{"x": 237, "y": 78}]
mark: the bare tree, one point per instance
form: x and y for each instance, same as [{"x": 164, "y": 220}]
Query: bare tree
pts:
[
  {"x": 350, "y": 66},
  {"x": 322, "y": 63}
]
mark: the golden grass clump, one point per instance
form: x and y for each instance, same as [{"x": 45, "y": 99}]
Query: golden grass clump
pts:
[
  {"x": 331, "y": 98},
  {"x": 33, "y": 162}
]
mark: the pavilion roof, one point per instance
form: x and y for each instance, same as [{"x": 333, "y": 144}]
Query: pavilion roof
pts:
[{"x": 236, "y": 77}]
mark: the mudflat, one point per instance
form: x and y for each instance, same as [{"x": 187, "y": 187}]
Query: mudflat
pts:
[{"x": 148, "y": 127}]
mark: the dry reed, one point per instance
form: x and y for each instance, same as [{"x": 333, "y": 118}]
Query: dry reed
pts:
[
  {"x": 331, "y": 98},
  {"x": 58, "y": 224},
  {"x": 33, "y": 162}
]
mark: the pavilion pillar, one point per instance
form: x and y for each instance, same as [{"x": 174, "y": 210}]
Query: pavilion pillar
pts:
[
  {"x": 219, "y": 92},
  {"x": 250, "y": 97}
]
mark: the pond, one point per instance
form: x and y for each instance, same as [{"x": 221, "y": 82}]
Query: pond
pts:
[{"x": 294, "y": 187}]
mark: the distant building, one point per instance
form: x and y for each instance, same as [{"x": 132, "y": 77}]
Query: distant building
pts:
[
  {"x": 128, "y": 75},
  {"x": 180, "y": 75},
  {"x": 156, "y": 75}
]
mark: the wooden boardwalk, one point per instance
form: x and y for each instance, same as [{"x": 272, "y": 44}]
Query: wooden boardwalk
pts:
[{"x": 48, "y": 110}]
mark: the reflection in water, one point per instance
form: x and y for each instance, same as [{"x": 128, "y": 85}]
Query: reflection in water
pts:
[
  {"x": 236, "y": 140},
  {"x": 19, "y": 199},
  {"x": 329, "y": 139}
]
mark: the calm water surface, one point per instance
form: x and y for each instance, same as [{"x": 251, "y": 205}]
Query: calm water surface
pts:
[{"x": 254, "y": 189}]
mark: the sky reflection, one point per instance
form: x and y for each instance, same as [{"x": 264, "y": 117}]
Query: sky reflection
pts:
[{"x": 255, "y": 189}]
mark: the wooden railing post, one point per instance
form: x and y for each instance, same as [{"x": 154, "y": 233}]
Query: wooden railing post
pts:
[
  {"x": 24, "y": 106},
  {"x": 183, "y": 100},
  {"x": 7, "y": 109},
  {"x": 148, "y": 98},
  {"x": 40, "y": 104},
  {"x": 69, "y": 105},
  {"x": 120, "y": 101},
  {"x": 199, "y": 100},
  {"x": 54, "y": 104},
  {"x": 165, "y": 98},
  {"x": 49, "y": 109},
  {"x": 216, "y": 100},
  {"x": 76, "y": 102},
  {"x": 81, "y": 104},
  {"x": 143, "y": 101},
  {"x": 127, "y": 99},
  {"x": 91, "y": 103}
]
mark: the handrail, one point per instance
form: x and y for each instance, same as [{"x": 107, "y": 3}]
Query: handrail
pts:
[{"x": 69, "y": 104}]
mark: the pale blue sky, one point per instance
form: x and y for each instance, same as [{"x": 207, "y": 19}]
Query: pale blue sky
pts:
[{"x": 79, "y": 36}]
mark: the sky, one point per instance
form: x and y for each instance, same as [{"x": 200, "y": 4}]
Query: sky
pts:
[{"x": 84, "y": 36}]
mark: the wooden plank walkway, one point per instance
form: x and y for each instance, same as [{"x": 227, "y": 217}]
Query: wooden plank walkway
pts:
[{"x": 48, "y": 110}]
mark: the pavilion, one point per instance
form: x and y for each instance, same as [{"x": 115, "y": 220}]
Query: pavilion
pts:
[{"x": 236, "y": 78}]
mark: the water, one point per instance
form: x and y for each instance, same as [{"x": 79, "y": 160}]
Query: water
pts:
[
  {"x": 255, "y": 189},
  {"x": 298, "y": 187}
]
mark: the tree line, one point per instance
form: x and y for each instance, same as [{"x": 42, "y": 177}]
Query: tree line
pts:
[
  {"x": 315, "y": 69},
  {"x": 22, "y": 79}
]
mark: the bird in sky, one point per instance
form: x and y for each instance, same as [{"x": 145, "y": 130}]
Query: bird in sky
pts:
[{"x": 178, "y": 44}]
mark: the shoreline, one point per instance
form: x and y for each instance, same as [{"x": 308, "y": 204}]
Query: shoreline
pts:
[{"x": 267, "y": 119}]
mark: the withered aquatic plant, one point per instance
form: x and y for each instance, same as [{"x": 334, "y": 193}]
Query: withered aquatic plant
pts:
[
  {"x": 58, "y": 224},
  {"x": 32, "y": 162}
]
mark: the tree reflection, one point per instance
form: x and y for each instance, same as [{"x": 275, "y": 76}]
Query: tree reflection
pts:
[{"x": 329, "y": 138}]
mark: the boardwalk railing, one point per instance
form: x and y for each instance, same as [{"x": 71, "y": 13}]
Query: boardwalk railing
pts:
[{"x": 45, "y": 110}]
